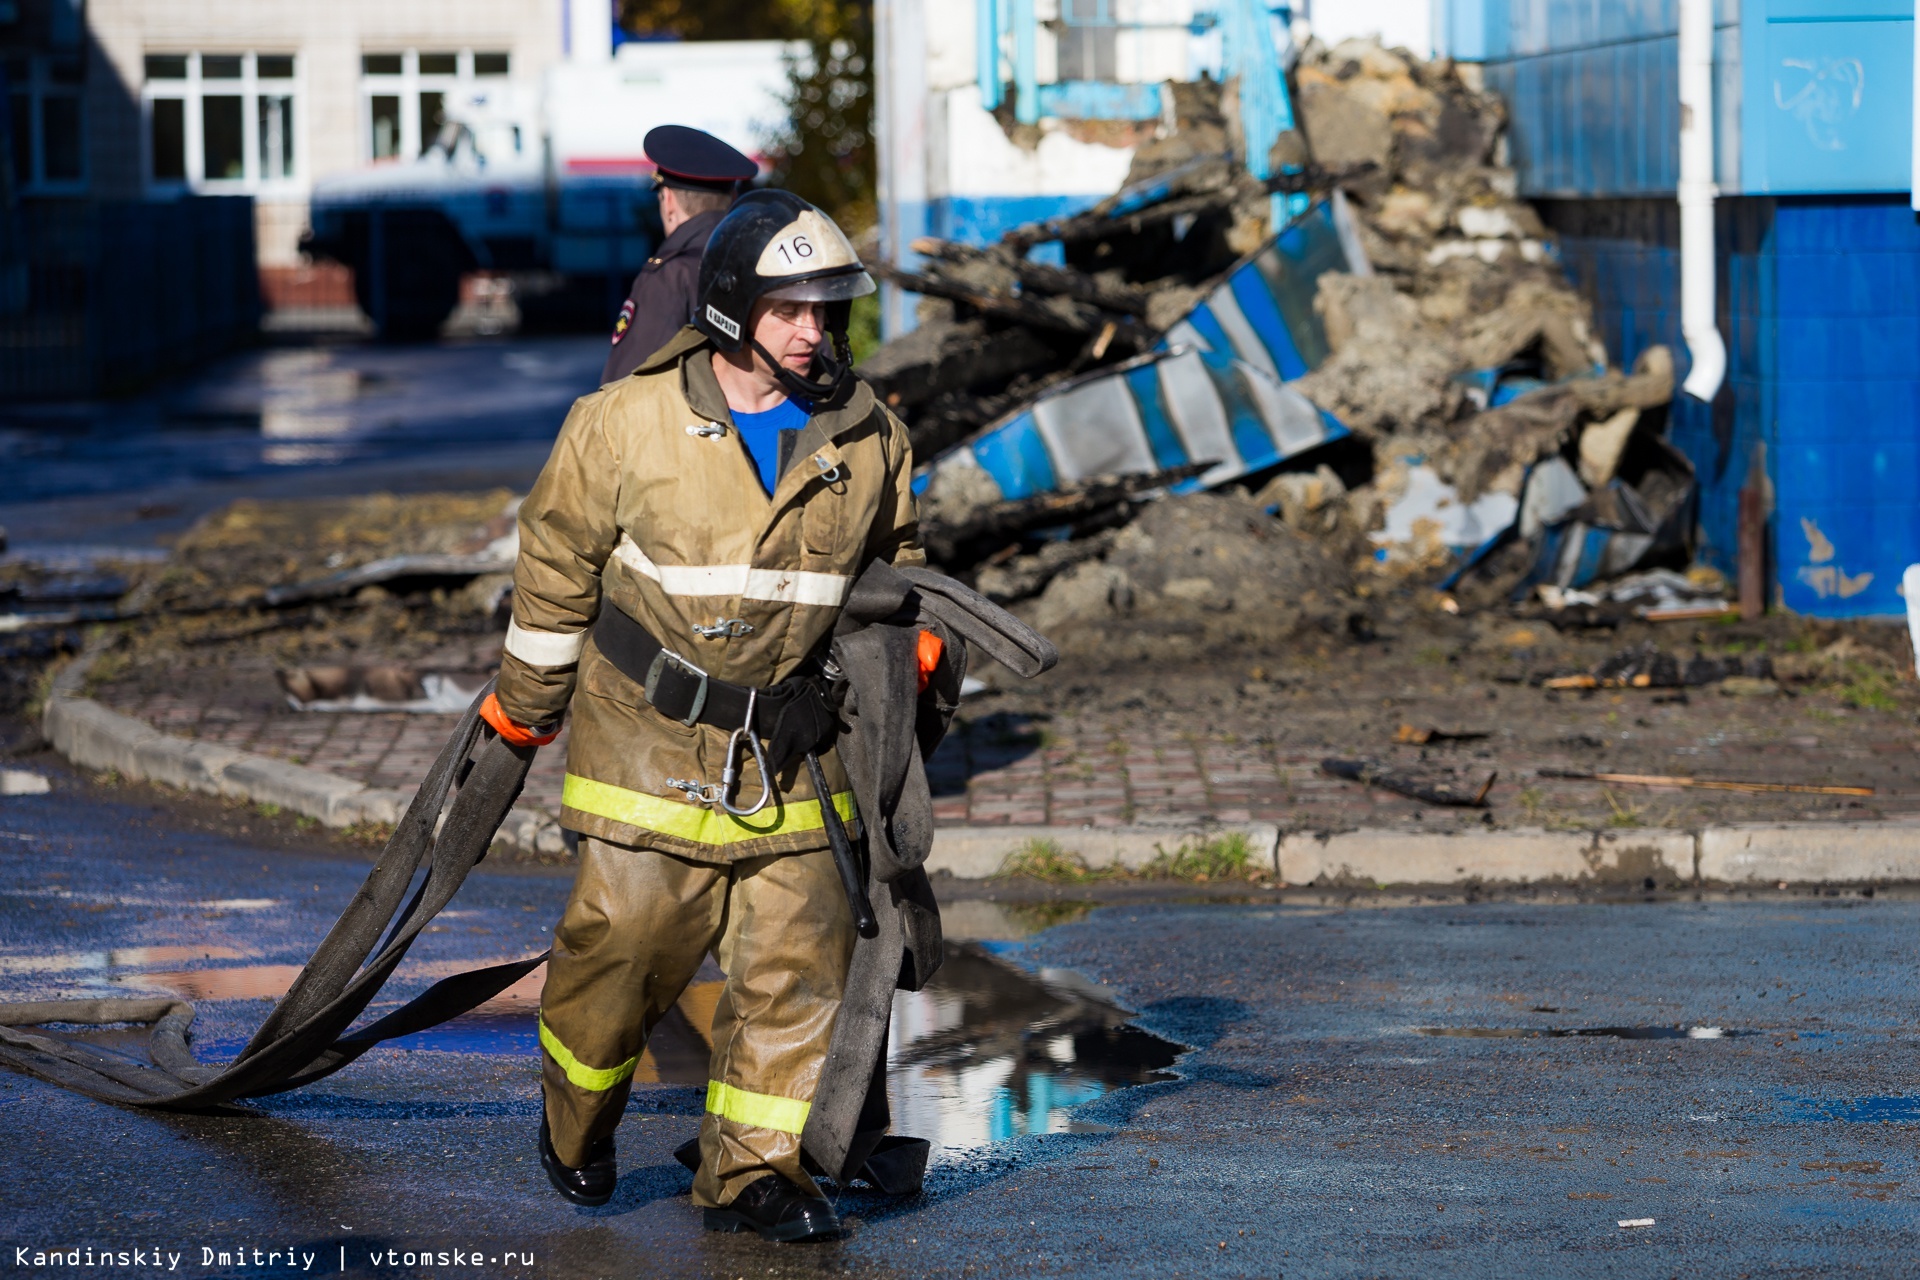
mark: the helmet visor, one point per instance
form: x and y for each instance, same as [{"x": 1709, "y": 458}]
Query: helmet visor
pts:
[{"x": 841, "y": 287}]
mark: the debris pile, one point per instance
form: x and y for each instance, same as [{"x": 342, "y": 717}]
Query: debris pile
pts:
[
  {"x": 998, "y": 325},
  {"x": 1436, "y": 393},
  {"x": 381, "y": 602}
]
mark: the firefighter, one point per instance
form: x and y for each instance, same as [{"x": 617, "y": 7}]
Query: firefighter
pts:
[
  {"x": 684, "y": 557},
  {"x": 696, "y": 177}
]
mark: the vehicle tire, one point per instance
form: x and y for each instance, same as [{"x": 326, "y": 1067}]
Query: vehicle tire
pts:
[{"x": 408, "y": 278}]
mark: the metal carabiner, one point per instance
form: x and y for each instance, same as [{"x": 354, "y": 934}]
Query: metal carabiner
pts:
[{"x": 730, "y": 772}]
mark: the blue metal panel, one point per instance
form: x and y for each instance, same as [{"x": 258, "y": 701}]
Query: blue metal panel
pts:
[
  {"x": 1017, "y": 459},
  {"x": 1211, "y": 392},
  {"x": 982, "y": 220},
  {"x": 1594, "y": 97},
  {"x": 1100, "y": 100},
  {"x": 1144, "y": 383},
  {"x": 1846, "y": 403},
  {"x": 1625, "y": 255},
  {"x": 1828, "y": 96},
  {"x": 986, "y": 36}
]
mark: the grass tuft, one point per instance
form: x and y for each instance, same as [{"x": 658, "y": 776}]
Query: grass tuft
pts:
[
  {"x": 1046, "y": 860},
  {"x": 1868, "y": 688},
  {"x": 1226, "y": 857}
]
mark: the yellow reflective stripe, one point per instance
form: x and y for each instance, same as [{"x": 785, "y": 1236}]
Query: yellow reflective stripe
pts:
[
  {"x": 596, "y": 1079},
  {"x": 696, "y": 822},
  {"x": 761, "y": 1110}
]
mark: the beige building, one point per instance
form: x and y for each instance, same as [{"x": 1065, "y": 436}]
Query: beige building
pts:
[{"x": 261, "y": 97}]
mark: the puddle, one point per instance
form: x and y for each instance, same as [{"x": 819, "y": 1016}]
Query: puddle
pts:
[
  {"x": 118, "y": 958},
  {"x": 277, "y": 409},
  {"x": 1607, "y": 1033},
  {"x": 1880, "y": 1110},
  {"x": 989, "y": 1051}
]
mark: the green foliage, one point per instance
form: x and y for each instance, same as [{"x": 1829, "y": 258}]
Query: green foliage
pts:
[
  {"x": 1046, "y": 860},
  {"x": 1868, "y": 688},
  {"x": 1227, "y": 857},
  {"x": 1624, "y": 814},
  {"x": 1224, "y": 857},
  {"x": 863, "y": 330},
  {"x": 826, "y": 154}
]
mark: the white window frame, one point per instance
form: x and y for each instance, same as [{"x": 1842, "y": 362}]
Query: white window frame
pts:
[
  {"x": 249, "y": 88},
  {"x": 408, "y": 86},
  {"x": 39, "y": 85}
]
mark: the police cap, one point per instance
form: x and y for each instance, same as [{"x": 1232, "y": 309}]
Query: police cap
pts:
[{"x": 698, "y": 161}]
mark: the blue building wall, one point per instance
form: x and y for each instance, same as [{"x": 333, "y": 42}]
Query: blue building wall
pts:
[
  {"x": 1820, "y": 307},
  {"x": 1819, "y": 252}
]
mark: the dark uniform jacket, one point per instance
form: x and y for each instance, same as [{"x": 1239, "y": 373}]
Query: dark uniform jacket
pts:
[{"x": 662, "y": 296}]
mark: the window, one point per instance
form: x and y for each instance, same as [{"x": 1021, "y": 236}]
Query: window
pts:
[
  {"x": 386, "y": 126},
  {"x": 406, "y": 94},
  {"x": 275, "y": 133},
  {"x": 1088, "y": 40},
  {"x": 47, "y": 124},
  {"x": 223, "y": 139},
  {"x": 169, "y": 134},
  {"x": 222, "y": 121}
]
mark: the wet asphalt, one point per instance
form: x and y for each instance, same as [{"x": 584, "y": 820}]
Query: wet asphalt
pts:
[
  {"x": 1314, "y": 1129},
  {"x": 287, "y": 419}
]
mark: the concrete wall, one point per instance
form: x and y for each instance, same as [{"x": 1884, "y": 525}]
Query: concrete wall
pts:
[{"x": 327, "y": 40}]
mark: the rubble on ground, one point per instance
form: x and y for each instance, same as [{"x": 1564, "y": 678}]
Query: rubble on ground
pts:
[
  {"x": 1488, "y": 429},
  {"x": 378, "y": 602},
  {"x": 1194, "y": 571}
]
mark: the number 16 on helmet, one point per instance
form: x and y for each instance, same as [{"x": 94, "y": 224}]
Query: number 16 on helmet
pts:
[{"x": 773, "y": 244}]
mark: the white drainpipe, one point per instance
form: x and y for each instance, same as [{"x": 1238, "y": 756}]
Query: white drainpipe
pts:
[{"x": 1698, "y": 275}]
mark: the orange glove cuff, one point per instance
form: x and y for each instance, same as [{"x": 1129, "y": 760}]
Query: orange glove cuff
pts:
[
  {"x": 513, "y": 734},
  {"x": 929, "y": 651}
]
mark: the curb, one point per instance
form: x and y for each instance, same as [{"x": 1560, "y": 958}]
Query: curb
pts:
[{"x": 94, "y": 737}]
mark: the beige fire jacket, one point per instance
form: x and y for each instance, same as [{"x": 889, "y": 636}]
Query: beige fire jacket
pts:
[{"x": 651, "y": 505}]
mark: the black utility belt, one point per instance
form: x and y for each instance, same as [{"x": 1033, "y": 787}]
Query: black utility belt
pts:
[{"x": 794, "y": 716}]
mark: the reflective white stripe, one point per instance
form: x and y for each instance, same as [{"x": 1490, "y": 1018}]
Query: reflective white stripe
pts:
[
  {"x": 545, "y": 648},
  {"x": 786, "y": 586}
]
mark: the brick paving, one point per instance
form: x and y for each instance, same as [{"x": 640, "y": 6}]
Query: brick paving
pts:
[{"x": 1206, "y": 749}]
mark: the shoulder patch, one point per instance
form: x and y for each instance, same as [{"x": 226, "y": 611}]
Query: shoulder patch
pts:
[{"x": 624, "y": 323}]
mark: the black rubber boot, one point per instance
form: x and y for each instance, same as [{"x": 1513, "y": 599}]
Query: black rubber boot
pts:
[
  {"x": 779, "y": 1211},
  {"x": 592, "y": 1183}
]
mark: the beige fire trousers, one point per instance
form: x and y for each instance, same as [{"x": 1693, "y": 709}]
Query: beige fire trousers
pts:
[{"x": 633, "y": 935}]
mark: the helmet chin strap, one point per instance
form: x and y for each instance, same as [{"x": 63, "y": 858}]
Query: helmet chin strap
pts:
[{"x": 836, "y": 364}]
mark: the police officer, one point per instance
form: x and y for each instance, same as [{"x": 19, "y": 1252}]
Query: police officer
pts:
[
  {"x": 684, "y": 557},
  {"x": 696, "y": 176}
]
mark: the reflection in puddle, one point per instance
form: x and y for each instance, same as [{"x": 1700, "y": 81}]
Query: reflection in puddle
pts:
[
  {"x": 1554, "y": 1033},
  {"x": 245, "y": 982},
  {"x": 120, "y": 958},
  {"x": 988, "y": 1051}
]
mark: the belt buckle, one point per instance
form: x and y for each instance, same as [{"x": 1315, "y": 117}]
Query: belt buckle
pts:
[{"x": 658, "y": 668}]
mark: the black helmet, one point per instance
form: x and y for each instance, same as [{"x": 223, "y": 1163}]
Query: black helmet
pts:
[{"x": 773, "y": 244}]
